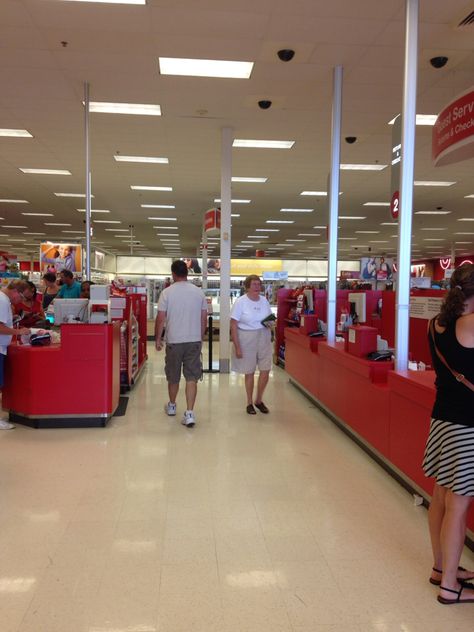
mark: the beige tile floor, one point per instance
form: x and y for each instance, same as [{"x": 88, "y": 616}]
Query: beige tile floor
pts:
[{"x": 273, "y": 523}]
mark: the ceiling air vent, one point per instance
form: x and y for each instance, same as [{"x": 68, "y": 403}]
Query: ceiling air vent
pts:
[{"x": 467, "y": 21}]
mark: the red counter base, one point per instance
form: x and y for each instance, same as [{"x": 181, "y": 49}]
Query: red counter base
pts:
[
  {"x": 386, "y": 412},
  {"x": 72, "y": 385}
]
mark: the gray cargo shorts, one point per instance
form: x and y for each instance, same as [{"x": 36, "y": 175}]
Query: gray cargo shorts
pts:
[{"x": 186, "y": 355}]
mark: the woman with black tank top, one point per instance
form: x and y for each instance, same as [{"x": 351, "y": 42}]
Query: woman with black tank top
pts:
[{"x": 449, "y": 454}]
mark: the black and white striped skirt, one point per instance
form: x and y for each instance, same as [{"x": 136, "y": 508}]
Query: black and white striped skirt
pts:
[{"x": 449, "y": 456}]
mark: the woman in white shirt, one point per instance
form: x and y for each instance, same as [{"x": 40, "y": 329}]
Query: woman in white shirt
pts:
[{"x": 252, "y": 341}]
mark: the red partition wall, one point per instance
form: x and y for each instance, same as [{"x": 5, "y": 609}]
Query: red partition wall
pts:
[{"x": 418, "y": 341}]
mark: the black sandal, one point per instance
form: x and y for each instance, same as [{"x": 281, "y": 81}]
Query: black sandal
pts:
[
  {"x": 465, "y": 582},
  {"x": 251, "y": 410},
  {"x": 262, "y": 408},
  {"x": 448, "y": 602}
]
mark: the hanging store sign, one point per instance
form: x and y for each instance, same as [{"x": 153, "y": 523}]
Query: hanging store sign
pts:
[
  {"x": 453, "y": 132},
  {"x": 212, "y": 220}
]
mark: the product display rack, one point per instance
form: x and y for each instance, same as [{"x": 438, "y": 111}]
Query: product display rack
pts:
[{"x": 133, "y": 338}]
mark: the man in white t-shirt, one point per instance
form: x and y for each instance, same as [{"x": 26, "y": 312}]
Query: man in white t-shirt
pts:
[
  {"x": 11, "y": 295},
  {"x": 182, "y": 307}
]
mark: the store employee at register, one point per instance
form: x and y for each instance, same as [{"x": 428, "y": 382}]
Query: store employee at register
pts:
[{"x": 70, "y": 288}]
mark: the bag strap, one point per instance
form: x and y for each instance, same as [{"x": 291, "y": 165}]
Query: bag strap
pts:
[{"x": 458, "y": 376}]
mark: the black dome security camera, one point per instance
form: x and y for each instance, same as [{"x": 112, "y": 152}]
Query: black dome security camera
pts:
[
  {"x": 438, "y": 62},
  {"x": 264, "y": 104},
  {"x": 286, "y": 54},
  {"x": 351, "y": 139}
]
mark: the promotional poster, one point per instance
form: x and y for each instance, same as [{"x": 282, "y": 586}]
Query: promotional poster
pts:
[{"x": 55, "y": 257}]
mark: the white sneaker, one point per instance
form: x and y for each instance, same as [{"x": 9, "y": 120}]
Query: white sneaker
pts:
[
  {"x": 188, "y": 419},
  {"x": 170, "y": 409},
  {"x": 6, "y": 425}
]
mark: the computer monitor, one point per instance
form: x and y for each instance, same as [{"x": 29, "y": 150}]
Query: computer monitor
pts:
[
  {"x": 70, "y": 310},
  {"x": 357, "y": 299}
]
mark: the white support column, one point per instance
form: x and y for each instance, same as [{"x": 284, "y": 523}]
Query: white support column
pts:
[
  {"x": 226, "y": 176},
  {"x": 88, "y": 182},
  {"x": 334, "y": 201},
  {"x": 406, "y": 186}
]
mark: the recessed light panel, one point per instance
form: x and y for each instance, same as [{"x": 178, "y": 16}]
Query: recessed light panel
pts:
[
  {"x": 145, "y": 159},
  {"x": 137, "y": 187},
  {"x": 263, "y": 144},
  {"x": 16, "y": 133},
  {"x": 139, "y": 109},
  {"x": 362, "y": 167},
  {"x": 215, "y": 68},
  {"x": 47, "y": 172}
]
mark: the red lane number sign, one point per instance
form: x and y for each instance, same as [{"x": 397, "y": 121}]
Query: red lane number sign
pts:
[{"x": 395, "y": 205}]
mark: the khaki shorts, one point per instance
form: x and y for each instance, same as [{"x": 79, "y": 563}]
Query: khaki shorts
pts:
[
  {"x": 186, "y": 355},
  {"x": 256, "y": 347}
]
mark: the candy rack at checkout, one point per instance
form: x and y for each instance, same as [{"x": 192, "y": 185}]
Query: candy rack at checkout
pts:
[{"x": 98, "y": 348}]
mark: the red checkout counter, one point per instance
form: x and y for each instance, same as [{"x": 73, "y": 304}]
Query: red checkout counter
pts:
[
  {"x": 386, "y": 412},
  {"x": 74, "y": 384}
]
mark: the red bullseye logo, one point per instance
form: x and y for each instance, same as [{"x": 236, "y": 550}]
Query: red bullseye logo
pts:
[{"x": 395, "y": 205}]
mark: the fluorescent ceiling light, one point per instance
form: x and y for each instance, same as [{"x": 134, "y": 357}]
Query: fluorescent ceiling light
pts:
[
  {"x": 17, "y": 239},
  {"x": 235, "y": 215},
  {"x": 168, "y": 228},
  {"x": 378, "y": 241},
  {"x": 4, "y": 201},
  {"x": 280, "y": 221},
  {"x": 469, "y": 196},
  {"x": 433, "y": 229},
  {"x": 348, "y": 238},
  {"x": 166, "y": 234},
  {"x": 235, "y": 201},
  {"x": 432, "y": 239},
  {"x": 95, "y": 210},
  {"x": 362, "y": 167},
  {"x": 48, "y": 172},
  {"x": 322, "y": 227},
  {"x": 258, "y": 237},
  {"x": 144, "y": 109},
  {"x": 73, "y": 232},
  {"x": 107, "y": 221},
  {"x": 39, "y": 214},
  {"x": 17, "y": 133},
  {"x": 137, "y": 187},
  {"x": 205, "y": 68},
  {"x": 157, "y": 205},
  {"x": 34, "y": 233},
  {"x": 72, "y": 195},
  {"x": 462, "y": 242},
  {"x": 164, "y": 219},
  {"x": 241, "y": 179},
  {"x": 54, "y": 224},
  {"x": 466, "y": 219},
  {"x": 267, "y": 230},
  {"x": 117, "y": 230},
  {"x": 351, "y": 217},
  {"x": 148, "y": 159},
  {"x": 464, "y": 233},
  {"x": 389, "y": 224},
  {"x": 309, "y": 234},
  {"x": 432, "y": 212},
  {"x": 368, "y": 232},
  {"x": 300, "y": 240},
  {"x": 248, "y": 242},
  {"x": 111, "y": 1},
  {"x": 10, "y": 226},
  {"x": 296, "y": 210},
  {"x": 376, "y": 204},
  {"x": 421, "y": 119},
  {"x": 432, "y": 183},
  {"x": 263, "y": 144}
]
